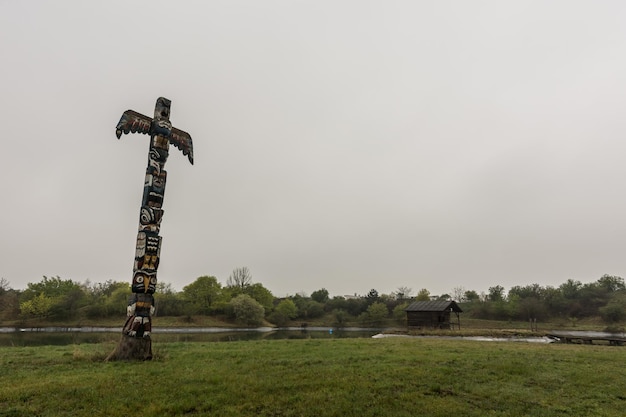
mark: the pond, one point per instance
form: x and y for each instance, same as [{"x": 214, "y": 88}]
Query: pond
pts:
[{"x": 78, "y": 335}]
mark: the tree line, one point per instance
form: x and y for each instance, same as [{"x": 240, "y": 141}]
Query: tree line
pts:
[{"x": 243, "y": 301}]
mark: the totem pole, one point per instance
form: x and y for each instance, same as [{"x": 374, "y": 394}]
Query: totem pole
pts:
[{"x": 135, "y": 343}]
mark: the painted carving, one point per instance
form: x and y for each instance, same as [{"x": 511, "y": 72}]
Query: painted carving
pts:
[
  {"x": 154, "y": 187},
  {"x": 139, "y": 311},
  {"x": 150, "y": 219},
  {"x": 148, "y": 249}
]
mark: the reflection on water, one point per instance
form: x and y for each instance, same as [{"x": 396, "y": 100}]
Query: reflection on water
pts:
[
  {"x": 69, "y": 336},
  {"x": 50, "y": 338}
]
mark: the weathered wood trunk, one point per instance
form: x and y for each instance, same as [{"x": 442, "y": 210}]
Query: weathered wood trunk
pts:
[{"x": 132, "y": 349}]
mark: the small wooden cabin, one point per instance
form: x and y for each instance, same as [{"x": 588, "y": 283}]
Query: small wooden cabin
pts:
[{"x": 433, "y": 315}]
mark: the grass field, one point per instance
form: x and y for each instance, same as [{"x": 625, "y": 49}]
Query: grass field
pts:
[{"x": 317, "y": 377}]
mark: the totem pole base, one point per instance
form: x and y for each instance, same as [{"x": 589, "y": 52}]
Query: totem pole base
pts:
[{"x": 132, "y": 349}]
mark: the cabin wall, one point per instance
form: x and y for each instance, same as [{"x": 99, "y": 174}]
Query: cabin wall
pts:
[{"x": 428, "y": 319}]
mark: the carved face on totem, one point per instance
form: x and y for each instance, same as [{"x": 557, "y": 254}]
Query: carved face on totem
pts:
[
  {"x": 154, "y": 187},
  {"x": 144, "y": 282},
  {"x": 162, "y": 109}
]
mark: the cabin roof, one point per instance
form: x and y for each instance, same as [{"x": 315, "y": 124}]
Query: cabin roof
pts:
[{"x": 437, "y": 306}]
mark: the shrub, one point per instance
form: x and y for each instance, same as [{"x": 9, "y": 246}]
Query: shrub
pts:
[
  {"x": 613, "y": 312},
  {"x": 247, "y": 310},
  {"x": 399, "y": 314},
  {"x": 284, "y": 311},
  {"x": 375, "y": 314}
]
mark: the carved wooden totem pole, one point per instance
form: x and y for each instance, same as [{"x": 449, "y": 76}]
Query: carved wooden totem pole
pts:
[{"x": 136, "y": 342}]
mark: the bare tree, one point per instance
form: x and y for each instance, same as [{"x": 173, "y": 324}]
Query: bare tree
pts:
[
  {"x": 4, "y": 285},
  {"x": 458, "y": 294},
  {"x": 403, "y": 293},
  {"x": 240, "y": 278}
]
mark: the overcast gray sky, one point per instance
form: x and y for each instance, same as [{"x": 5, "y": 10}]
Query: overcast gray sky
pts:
[{"x": 341, "y": 144}]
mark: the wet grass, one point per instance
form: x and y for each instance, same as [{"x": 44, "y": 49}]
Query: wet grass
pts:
[{"x": 317, "y": 377}]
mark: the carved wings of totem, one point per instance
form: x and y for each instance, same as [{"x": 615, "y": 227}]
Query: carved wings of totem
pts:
[
  {"x": 182, "y": 140},
  {"x": 133, "y": 122}
]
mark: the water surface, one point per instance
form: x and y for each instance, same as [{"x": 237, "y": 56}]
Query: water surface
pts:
[{"x": 70, "y": 335}]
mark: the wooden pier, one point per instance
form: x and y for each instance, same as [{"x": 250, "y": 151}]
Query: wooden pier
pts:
[{"x": 589, "y": 338}]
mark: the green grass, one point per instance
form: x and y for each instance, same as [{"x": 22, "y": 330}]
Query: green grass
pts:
[{"x": 317, "y": 377}]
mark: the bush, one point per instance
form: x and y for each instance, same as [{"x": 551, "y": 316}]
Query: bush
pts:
[
  {"x": 284, "y": 311},
  {"x": 311, "y": 309},
  {"x": 376, "y": 314},
  {"x": 613, "y": 312},
  {"x": 341, "y": 316},
  {"x": 95, "y": 310},
  {"x": 247, "y": 310},
  {"x": 399, "y": 314}
]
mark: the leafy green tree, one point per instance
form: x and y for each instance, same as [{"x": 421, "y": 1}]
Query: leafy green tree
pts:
[
  {"x": 9, "y": 301},
  {"x": 423, "y": 295},
  {"x": 493, "y": 310},
  {"x": 501, "y": 310},
  {"x": 341, "y": 317},
  {"x": 337, "y": 303},
  {"x": 320, "y": 296},
  {"x": 61, "y": 298},
  {"x": 51, "y": 287},
  {"x": 38, "y": 306},
  {"x": 202, "y": 294},
  {"x": 611, "y": 283},
  {"x": 535, "y": 291},
  {"x": 571, "y": 289},
  {"x": 117, "y": 301},
  {"x": 356, "y": 306},
  {"x": 496, "y": 293},
  {"x": 399, "y": 314},
  {"x": 553, "y": 301},
  {"x": 102, "y": 290},
  {"x": 285, "y": 310},
  {"x": 471, "y": 295},
  {"x": 106, "y": 299},
  {"x": 530, "y": 308},
  {"x": 376, "y": 314},
  {"x": 262, "y": 295},
  {"x": 167, "y": 301},
  {"x": 247, "y": 310},
  {"x": 310, "y": 309},
  {"x": 300, "y": 300},
  {"x": 372, "y": 296},
  {"x": 389, "y": 300},
  {"x": 614, "y": 311},
  {"x": 67, "y": 305},
  {"x": 592, "y": 296}
]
